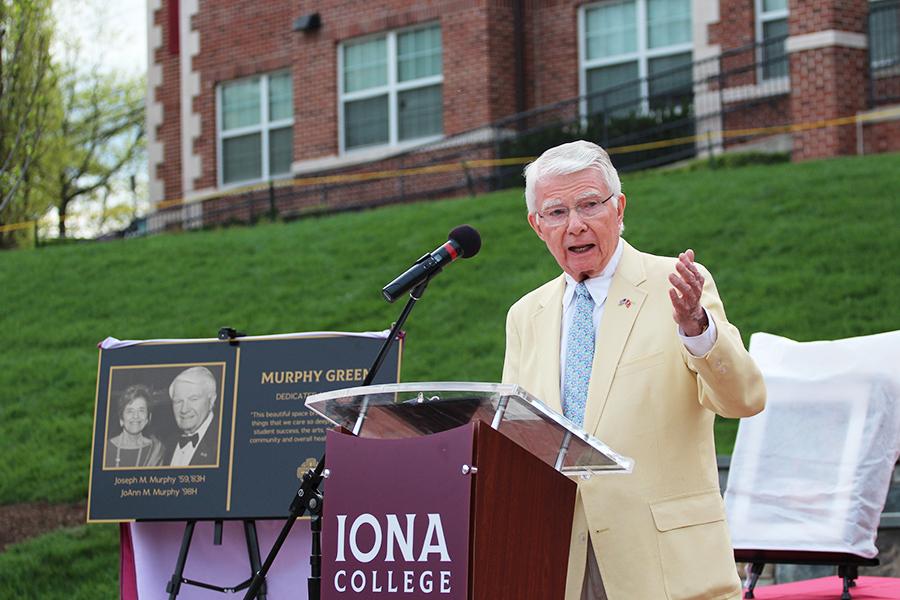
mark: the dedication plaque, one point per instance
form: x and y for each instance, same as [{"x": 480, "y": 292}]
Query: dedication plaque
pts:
[{"x": 210, "y": 429}]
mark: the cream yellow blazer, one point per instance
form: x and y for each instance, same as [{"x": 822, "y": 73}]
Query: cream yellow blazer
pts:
[{"x": 659, "y": 532}]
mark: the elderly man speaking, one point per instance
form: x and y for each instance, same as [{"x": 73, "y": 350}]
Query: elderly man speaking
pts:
[{"x": 598, "y": 344}]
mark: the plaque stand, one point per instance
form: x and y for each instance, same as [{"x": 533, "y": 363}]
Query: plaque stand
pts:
[{"x": 174, "y": 585}]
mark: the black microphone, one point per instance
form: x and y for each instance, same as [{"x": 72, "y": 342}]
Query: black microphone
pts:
[{"x": 463, "y": 242}]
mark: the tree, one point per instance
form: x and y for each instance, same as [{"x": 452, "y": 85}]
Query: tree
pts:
[
  {"x": 101, "y": 136},
  {"x": 69, "y": 130},
  {"x": 28, "y": 106}
]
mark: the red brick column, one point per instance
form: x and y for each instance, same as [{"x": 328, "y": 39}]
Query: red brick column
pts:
[
  {"x": 829, "y": 72},
  {"x": 168, "y": 95}
]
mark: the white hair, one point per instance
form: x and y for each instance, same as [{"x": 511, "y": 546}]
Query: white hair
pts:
[
  {"x": 571, "y": 158},
  {"x": 199, "y": 375}
]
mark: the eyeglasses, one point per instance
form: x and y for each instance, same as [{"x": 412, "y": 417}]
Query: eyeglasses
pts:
[{"x": 586, "y": 209}]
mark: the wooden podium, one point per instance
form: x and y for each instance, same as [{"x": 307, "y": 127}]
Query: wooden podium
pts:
[{"x": 450, "y": 490}]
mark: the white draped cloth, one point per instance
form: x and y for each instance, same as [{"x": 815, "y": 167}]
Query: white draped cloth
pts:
[{"x": 812, "y": 471}]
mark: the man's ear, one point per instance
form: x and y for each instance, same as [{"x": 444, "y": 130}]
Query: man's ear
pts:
[
  {"x": 620, "y": 209},
  {"x": 536, "y": 225}
]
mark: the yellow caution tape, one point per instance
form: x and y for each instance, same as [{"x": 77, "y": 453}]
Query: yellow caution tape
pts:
[
  {"x": 464, "y": 165},
  {"x": 15, "y": 226}
]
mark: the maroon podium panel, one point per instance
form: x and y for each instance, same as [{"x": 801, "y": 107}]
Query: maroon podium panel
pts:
[{"x": 396, "y": 518}]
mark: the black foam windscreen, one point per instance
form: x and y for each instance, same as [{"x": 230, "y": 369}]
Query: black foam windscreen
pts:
[{"x": 468, "y": 238}]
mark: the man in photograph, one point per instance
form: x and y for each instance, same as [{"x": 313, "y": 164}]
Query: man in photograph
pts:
[
  {"x": 598, "y": 344},
  {"x": 193, "y": 393}
]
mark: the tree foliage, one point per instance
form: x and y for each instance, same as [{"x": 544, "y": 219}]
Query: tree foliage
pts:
[
  {"x": 101, "y": 137},
  {"x": 70, "y": 132},
  {"x": 29, "y": 107}
]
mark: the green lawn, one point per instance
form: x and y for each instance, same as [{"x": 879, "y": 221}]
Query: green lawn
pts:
[
  {"x": 806, "y": 251},
  {"x": 79, "y": 563}
]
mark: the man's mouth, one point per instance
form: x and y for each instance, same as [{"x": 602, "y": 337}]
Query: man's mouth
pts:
[{"x": 581, "y": 249}]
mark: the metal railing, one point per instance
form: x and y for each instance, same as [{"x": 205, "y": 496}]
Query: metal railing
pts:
[
  {"x": 670, "y": 104},
  {"x": 671, "y": 116}
]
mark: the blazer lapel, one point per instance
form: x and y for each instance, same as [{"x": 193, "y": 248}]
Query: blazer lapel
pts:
[
  {"x": 546, "y": 323},
  {"x": 623, "y": 303}
]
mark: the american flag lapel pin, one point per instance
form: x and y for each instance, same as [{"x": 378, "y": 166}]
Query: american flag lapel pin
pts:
[{"x": 626, "y": 302}]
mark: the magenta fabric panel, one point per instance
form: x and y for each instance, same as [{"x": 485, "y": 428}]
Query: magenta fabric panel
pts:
[
  {"x": 156, "y": 546},
  {"x": 828, "y": 588},
  {"x": 127, "y": 574}
]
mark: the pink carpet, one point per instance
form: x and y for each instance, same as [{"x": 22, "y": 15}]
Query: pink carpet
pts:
[{"x": 826, "y": 588}]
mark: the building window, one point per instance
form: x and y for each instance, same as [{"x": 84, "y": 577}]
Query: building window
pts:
[
  {"x": 633, "y": 50},
  {"x": 884, "y": 34},
  {"x": 771, "y": 32},
  {"x": 391, "y": 88},
  {"x": 256, "y": 128}
]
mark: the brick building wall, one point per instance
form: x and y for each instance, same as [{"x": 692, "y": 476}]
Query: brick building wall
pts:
[
  {"x": 886, "y": 88},
  {"x": 818, "y": 77},
  {"x": 828, "y": 58},
  {"x": 749, "y": 102},
  {"x": 467, "y": 69},
  {"x": 881, "y": 137},
  {"x": 315, "y": 71},
  {"x": 828, "y": 67},
  {"x": 810, "y": 16},
  {"x": 480, "y": 50},
  {"x": 770, "y": 112},
  {"x": 238, "y": 38},
  {"x": 289, "y": 201},
  {"x": 736, "y": 28},
  {"x": 553, "y": 51},
  {"x": 243, "y": 37},
  {"x": 501, "y": 69}
]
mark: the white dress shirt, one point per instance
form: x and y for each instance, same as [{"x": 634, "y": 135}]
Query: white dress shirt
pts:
[
  {"x": 182, "y": 456},
  {"x": 599, "y": 289}
]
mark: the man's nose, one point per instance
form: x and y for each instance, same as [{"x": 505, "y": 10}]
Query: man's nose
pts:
[{"x": 575, "y": 223}]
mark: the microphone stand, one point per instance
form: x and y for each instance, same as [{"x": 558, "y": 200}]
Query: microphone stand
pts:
[{"x": 309, "y": 498}]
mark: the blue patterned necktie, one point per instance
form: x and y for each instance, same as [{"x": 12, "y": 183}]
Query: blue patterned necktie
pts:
[{"x": 579, "y": 356}]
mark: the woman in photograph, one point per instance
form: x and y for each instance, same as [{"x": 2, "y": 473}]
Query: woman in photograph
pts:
[{"x": 131, "y": 448}]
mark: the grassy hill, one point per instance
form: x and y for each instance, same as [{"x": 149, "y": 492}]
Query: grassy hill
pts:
[{"x": 806, "y": 251}]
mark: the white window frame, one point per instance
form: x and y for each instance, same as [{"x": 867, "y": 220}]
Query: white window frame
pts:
[
  {"x": 763, "y": 17},
  {"x": 263, "y": 128},
  {"x": 642, "y": 55},
  {"x": 392, "y": 89}
]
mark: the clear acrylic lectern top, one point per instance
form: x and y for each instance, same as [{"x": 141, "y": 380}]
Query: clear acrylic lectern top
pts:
[{"x": 411, "y": 409}]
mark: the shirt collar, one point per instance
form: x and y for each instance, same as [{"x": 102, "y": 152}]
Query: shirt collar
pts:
[
  {"x": 598, "y": 286},
  {"x": 204, "y": 426}
]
